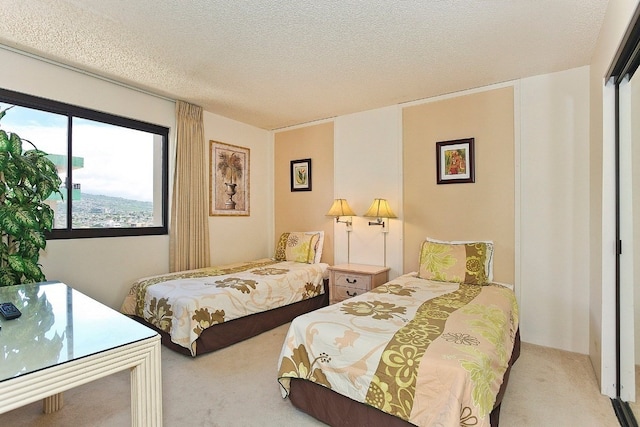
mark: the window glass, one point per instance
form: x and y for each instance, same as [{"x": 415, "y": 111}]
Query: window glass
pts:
[
  {"x": 47, "y": 132},
  {"x": 113, "y": 176},
  {"x": 116, "y": 181}
]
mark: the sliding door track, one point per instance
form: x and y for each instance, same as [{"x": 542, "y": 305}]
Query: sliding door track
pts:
[{"x": 624, "y": 413}]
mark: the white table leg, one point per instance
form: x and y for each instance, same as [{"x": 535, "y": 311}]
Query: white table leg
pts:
[
  {"x": 146, "y": 390},
  {"x": 52, "y": 403}
]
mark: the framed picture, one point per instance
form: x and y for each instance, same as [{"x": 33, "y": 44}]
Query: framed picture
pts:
[
  {"x": 228, "y": 179},
  {"x": 455, "y": 161},
  {"x": 301, "y": 175}
]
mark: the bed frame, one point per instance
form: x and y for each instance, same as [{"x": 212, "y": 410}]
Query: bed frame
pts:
[
  {"x": 337, "y": 410},
  {"x": 225, "y": 334}
]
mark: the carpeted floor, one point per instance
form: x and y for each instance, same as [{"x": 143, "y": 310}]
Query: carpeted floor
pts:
[
  {"x": 237, "y": 386},
  {"x": 635, "y": 406}
]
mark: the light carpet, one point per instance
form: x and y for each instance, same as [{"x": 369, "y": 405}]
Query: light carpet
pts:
[
  {"x": 237, "y": 386},
  {"x": 635, "y": 406}
]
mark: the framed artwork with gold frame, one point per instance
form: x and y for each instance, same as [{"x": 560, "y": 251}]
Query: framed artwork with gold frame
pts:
[{"x": 228, "y": 179}]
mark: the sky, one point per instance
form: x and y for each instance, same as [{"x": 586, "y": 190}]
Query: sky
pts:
[{"x": 118, "y": 161}]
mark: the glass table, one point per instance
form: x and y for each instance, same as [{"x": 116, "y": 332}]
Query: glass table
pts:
[{"x": 65, "y": 339}]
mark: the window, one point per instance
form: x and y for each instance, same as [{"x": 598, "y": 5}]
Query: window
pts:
[{"x": 114, "y": 169}]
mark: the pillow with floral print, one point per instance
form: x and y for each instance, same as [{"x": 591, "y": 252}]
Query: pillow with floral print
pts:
[
  {"x": 297, "y": 246},
  {"x": 461, "y": 262}
]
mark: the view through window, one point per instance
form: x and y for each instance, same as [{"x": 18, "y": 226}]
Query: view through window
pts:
[{"x": 113, "y": 169}]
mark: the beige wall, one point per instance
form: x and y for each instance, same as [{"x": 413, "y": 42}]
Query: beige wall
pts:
[
  {"x": 483, "y": 210},
  {"x": 305, "y": 210}
]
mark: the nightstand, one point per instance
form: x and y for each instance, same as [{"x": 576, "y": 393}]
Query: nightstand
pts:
[{"x": 349, "y": 280}]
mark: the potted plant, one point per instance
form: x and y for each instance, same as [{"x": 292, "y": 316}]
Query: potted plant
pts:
[{"x": 27, "y": 179}]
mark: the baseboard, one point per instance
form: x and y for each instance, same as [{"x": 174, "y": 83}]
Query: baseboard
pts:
[{"x": 624, "y": 413}]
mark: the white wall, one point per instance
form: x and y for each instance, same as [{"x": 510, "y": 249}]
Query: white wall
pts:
[
  {"x": 235, "y": 238},
  {"x": 103, "y": 268},
  {"x": 367, "y": 165},
  {"x": 554, "y": 206}
]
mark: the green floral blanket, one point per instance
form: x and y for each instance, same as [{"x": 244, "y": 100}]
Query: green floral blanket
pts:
[
  {"x": 432, "y": 353},
  {"x": 184, "y": 304}
]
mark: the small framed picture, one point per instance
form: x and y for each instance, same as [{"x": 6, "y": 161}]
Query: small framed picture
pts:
[
  {"x": 301, "y": 175},
  {"x": 455, "y": 161}
]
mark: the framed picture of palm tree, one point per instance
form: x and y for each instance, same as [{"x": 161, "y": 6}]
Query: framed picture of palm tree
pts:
[{"x": 229, "y": 179}]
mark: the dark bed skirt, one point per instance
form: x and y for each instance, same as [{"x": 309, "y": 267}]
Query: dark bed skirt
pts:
[
  {"x": 231, "y": 332},
  {"x": 337, "y": 410}
]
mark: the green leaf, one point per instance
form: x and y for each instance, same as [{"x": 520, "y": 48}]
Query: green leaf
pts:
[
  {"x": 11, "y": 174},
  {"x": 36, "y": 239},
  {"x": 4, "y": 141},
  {"x": 8, "y": 277},
  {"x": 4, "y": 160},
  {"x": 19, "y": 194},
  {"x": 15, "y": 145},
  {"x": 32, "y": 271},
  {"x": 17, "y": 263},
  {"x": 9, "y": 224},
  {"x": 25, "y": 218},
  {"x": 29, "y": 250},
  {"x": 45, "y": 189},
  {"x": 28, "y": 169},
  {"x": 47, "y": 216}
]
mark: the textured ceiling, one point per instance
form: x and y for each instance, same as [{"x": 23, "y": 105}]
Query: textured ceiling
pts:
[{"x": 274, "y": 64}]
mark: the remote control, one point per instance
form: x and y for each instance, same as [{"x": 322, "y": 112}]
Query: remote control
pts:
[{"x": 9, "y": 311}]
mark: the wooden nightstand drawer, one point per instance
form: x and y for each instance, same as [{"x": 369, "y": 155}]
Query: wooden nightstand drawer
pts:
[
  {"x": 349, "y": 280},
  {"x": 343, "y": 292}
]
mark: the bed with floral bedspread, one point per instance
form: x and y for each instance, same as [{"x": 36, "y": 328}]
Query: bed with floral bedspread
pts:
[
  {"x": 427, "y": 351},
  {"x": 185, "y": 304}
]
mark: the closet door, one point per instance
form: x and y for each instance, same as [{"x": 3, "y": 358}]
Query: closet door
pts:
[
  {"x": 635, "y": 194},
  {"x": 623, "y": 73},
  {"x": 629, "y": 223},
  {"x": 631, "y": 288}
]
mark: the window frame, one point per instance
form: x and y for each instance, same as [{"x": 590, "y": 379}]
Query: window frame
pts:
[{"x": 71, "y": 111}]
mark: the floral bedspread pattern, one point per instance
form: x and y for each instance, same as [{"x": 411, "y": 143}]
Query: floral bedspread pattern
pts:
[
  {"x": 186, "y": 303},
  {"x": 432, "y": 353}
]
